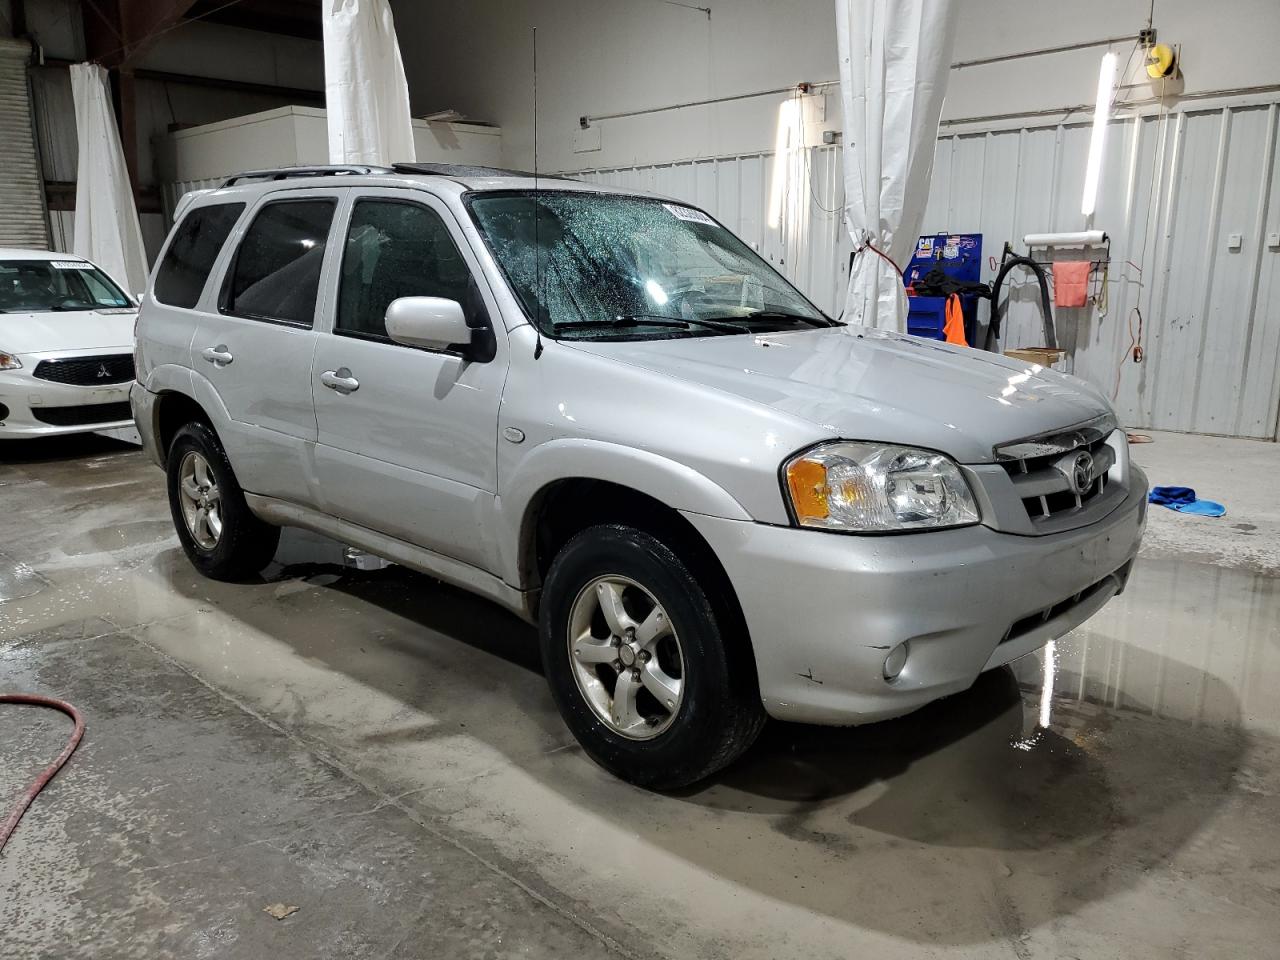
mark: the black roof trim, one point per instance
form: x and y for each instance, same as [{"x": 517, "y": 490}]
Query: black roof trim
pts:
[{"x": 466, "y": 170}]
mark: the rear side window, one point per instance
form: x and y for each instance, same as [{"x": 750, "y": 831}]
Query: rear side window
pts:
[
  {"x": 190, "y": 256},
  {"x": 276, "y": 274}
]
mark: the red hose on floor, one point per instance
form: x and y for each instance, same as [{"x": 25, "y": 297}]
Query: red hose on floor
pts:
[{"x": 25, "y": 801}]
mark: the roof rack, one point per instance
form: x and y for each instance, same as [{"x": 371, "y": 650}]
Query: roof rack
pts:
[
  {"x": 289, "y": 173},
  {"x": 464, "y": 170}
]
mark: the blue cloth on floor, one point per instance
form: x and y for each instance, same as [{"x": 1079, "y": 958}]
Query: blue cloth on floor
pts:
[{"x": 1184, "y": 500}]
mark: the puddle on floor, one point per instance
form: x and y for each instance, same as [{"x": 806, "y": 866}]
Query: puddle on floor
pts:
[
  {"x": 120, "y": 536},
  {"x": 18, "y": 580}
]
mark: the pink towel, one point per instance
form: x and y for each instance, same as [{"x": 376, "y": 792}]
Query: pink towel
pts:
[{"x": 1070, "y": 282}]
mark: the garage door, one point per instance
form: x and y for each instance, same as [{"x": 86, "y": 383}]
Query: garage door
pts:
[{"x": 24, "y": 223}]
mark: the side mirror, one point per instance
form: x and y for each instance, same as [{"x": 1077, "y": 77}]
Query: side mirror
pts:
[{"x": 431, "y": 322}]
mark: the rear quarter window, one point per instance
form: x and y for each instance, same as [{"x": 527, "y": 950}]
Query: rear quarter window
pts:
[{"x": 195, "y": 245}]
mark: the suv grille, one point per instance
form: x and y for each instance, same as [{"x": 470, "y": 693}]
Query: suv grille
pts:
[
  {"x": 1065, "y": 479},
  {"x": 87, "y": 371},
  {"x": 1044, "y": 483}
]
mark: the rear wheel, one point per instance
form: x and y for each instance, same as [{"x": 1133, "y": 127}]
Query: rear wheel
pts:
[
  {"x": 637, "y": 663},
  {"x": 221, "y": 537}
]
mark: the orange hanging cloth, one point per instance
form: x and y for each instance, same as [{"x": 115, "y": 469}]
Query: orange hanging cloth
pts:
[
  {"x": 1071, "y": 283},
  {"x": 953, "y": 326}
]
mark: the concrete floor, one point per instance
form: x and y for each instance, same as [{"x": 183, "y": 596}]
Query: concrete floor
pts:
[{"x": 380, "y": 751}]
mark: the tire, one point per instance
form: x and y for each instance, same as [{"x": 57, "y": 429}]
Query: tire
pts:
[
  {"x": 242, "y": 545},
  {"x": 717, "y": 714}
]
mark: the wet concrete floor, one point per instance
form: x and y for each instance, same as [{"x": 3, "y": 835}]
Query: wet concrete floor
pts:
[{"x": 380, "y": 751}]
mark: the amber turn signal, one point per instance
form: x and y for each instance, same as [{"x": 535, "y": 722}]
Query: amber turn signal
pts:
[{"x": 807, "y": 481}]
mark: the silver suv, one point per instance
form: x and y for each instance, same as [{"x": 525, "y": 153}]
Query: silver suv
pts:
[{"x": 605, "y": 412}]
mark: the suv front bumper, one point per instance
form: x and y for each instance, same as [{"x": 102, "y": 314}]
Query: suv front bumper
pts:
[{"x": 824, "y": 610}]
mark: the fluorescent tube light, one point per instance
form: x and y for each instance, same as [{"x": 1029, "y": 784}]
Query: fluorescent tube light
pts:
[
  {"x": 1098, "y": 139},
  {"x": 784, "y": 140}
]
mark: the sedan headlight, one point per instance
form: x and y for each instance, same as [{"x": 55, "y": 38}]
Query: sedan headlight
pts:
[
  {"x": 9, "y": 361},
  {"x": 877, "y": 488}
]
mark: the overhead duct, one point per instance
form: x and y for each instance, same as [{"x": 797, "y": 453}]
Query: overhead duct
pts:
[
  {"x": 107, "y": 229},
  {"x": 894, "y": 56},
  {"x": 366, "y": 96}
]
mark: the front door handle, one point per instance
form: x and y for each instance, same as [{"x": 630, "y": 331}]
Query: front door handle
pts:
[
  {"x": 219, "y": 356},
  {"x": 340, "y": 380}
]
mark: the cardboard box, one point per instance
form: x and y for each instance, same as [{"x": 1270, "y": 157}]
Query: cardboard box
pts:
[{"x": 1051, "y": 357}]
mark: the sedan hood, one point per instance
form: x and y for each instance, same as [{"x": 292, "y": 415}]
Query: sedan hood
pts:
[
  {"x": 73, "y": 330},
  {"x": 861, "y": 384}
]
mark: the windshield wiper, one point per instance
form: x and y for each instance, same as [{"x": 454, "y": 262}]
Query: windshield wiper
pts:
[
  {"x": 787, "y": 315},
  {"x": 631, "y": 320}
]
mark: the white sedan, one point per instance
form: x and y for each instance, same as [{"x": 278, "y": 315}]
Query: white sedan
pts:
[{"x": 66, "y": 346}]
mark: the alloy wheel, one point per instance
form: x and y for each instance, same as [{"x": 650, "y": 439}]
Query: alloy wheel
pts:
[
  {"x": 201, "y": 501},
  {"x": 626, "y": 657}
]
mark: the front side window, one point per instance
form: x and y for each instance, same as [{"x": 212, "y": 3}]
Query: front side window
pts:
[
  {"x": 190, "y": 256},
  {"x": 276, "y": 274},
  {"x": 56, "y": 286},
  {"x": 603, "y": 266},
  {"x": 395, "y": 249}
]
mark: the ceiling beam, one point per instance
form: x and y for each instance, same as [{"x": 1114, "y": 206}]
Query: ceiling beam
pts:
[
  {"x": 118, "y": 33},
  {"x": 293, "y": 18}
]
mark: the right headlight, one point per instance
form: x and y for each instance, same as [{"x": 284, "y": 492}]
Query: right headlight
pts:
[
  {"x": 877, "y": 488},
  {"x": 9, "y": 361}
]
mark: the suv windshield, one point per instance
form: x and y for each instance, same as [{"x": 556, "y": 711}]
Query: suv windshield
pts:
[
  {"x": 621, "y": 267},
  {"x": 44, "y": 286}
]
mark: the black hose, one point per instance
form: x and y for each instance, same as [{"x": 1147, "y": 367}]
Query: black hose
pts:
[{"x": 993, "y": 328}]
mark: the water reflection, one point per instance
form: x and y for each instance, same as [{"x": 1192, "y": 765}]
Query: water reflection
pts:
[{"x": 1222, "y": 624}]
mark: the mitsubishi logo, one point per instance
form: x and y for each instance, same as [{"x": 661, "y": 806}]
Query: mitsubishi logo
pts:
[
  {"x": 1082, "y": 473},
  {"x": 103, "y": 371}
]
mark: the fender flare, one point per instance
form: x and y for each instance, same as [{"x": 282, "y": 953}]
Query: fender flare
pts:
[{"x": 675, "y": 484}]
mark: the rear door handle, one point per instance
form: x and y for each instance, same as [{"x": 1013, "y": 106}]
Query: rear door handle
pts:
[
  {"x": 219, "y": 356},
  {"x": 340, "y": 380}
]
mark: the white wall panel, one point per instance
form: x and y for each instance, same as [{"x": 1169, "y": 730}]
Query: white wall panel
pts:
[{"x": 1175, "y": 187}]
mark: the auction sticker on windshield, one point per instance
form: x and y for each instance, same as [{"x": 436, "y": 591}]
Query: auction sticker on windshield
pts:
[
  {"x": 69, "y": 265},
  {"x": 688, "y": 213}
]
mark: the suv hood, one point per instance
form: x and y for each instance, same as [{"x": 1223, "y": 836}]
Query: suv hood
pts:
[
  {"x": 73, "y": 330},
  {"x": 856, "y": 383}
]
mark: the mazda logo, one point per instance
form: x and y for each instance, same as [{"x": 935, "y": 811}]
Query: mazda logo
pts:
[{"x": 1082, "y": 473}]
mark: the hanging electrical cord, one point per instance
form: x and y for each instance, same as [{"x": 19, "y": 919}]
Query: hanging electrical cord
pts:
[
  {"x": 1135, "y": 349},
  {"x": 804, "y": 150},
  {"x": 11, "y": 821}
]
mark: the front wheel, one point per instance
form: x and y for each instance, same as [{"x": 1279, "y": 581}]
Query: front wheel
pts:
[
  {"x": 637, "y": 663},
  {"x": 221, "y": 537}
]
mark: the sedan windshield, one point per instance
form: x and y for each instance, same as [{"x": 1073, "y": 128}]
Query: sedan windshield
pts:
[
  {"x": 619, "y": 267},
  {"x": 46, "y": 286}
]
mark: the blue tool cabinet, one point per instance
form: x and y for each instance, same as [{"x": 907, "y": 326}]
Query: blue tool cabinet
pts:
[{"x": 960, "y": 257}]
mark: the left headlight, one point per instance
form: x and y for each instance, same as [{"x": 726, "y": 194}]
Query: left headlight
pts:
[
  {"x": 9, "y": 361},
  {"x": 877, "y": 488}
]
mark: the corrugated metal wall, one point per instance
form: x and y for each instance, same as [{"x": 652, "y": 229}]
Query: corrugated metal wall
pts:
[
  {"x": 23, "y": 222},
  {"x": 1176, "y": 187}
]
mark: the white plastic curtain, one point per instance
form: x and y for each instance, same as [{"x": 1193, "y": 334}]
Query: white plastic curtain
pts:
[
  {"x": 365, "y": 93},
  {"x": 106, "y": 227},
  {"x": 893, "y": 56}
]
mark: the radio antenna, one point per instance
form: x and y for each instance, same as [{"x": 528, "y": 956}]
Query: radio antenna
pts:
[{"x": 537, "y": 211}]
